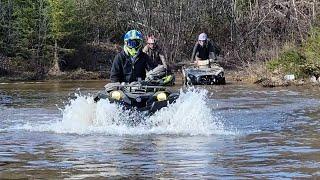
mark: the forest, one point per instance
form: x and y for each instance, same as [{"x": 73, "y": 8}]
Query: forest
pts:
[{"x": 48, "y": 37}]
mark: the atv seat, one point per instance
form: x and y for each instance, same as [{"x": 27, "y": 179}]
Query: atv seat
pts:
[{"x": 203, "y": 64}]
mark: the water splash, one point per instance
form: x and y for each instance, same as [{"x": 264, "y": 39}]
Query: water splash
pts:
[{"x": 190, "y": 115}]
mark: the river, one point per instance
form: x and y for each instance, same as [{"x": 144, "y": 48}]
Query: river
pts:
[{"x": 53, "y": 130}]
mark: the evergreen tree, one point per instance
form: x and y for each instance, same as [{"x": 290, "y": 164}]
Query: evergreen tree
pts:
[{"x": 63, "y": 22}]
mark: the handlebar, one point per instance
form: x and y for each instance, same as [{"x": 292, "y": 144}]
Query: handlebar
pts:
[{"x": 118, "y": 86}]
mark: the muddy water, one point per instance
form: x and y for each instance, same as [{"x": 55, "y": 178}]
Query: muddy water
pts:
[{"x": 234, "y": 131}]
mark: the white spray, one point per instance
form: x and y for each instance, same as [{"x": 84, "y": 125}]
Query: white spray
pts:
[{"x": 190, "y": 115}]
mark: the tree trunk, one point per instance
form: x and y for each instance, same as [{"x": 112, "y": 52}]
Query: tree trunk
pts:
[
  {"x": 297, "y": 19},
  {"x": 55, "y": 70}
]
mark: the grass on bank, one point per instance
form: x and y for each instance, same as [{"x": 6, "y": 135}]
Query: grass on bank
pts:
[{"x": 303, "y": 62}]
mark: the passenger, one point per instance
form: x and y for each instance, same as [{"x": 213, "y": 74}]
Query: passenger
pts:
[
  {"x": 131, "y": 63},
  {"x": 154, "y": 52}
]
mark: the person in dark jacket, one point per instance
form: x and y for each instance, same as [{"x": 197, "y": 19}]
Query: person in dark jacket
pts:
[
  {"x": 131, "y": 63},
  {"x": 204, "y": 49}
]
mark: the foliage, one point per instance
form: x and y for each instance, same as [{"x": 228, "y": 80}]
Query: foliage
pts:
[
  {"x": 302, "y": 62},
  {"x": 24, "y": 31},
  {"x": 312, "y": 53},
  {"x": 37, "y": 31},
  {"x": 289, "y": 62},
  {"x": 312, "y": 47}
]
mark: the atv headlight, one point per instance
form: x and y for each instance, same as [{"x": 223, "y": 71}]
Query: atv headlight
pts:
[
  {"x": 162, "y": 96},
  {"x": 116, "y": 95}
]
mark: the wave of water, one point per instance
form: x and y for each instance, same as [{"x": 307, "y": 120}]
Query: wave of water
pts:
[{"x": 190, "y": 115}]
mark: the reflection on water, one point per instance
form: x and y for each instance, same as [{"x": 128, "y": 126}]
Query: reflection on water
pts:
[{"x": 257, "y": 133}]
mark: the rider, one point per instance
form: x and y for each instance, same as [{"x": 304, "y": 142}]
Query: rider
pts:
[
  {"x": 131, "y": 63},
  {"x": 161, "y": 75},
  {"x": 154, "y": 52},
  {"x": 204, "y": 49}
]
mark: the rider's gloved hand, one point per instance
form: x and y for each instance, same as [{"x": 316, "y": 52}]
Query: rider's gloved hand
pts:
[{"x": 213, "y": 60}]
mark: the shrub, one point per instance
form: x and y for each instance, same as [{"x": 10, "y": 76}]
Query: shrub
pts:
[
  {"x": 302, "y": 62},
  {"x": 312, "y": 53},
  {"x": 289, "y": 62}
]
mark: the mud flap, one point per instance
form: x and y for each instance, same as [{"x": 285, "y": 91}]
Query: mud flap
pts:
[
  {"x": 157, "y": 106},
  {"x": 221, "y": 81},
  {"x": 100, "y": 96}
]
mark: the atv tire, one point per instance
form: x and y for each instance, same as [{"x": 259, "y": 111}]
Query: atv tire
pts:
[
  {"x": 184, "y": 81},
  {"x": 222, "y": 81}
]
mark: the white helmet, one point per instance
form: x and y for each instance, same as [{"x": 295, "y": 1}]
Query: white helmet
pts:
[{"x": 202, "y": 37}]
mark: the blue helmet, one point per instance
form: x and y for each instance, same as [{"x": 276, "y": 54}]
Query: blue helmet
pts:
[
  {"x": 133, "y": 34},
  {"x": 133, "y": 41}
]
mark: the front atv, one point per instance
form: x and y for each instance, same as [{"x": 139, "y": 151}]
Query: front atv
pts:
[{"x": 143, "y": 98}]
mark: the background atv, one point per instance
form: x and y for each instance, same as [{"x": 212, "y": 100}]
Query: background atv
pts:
[
  {"x": 209, "y": 74},
  {"x": 160, "y": 76}
]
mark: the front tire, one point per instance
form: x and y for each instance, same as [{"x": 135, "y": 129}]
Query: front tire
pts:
[
  {"x": 184, "y": 81},
  {"x": 222, "y": 81}
]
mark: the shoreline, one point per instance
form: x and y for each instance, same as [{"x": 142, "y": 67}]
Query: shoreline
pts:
[{"x": 233, "y": 76}]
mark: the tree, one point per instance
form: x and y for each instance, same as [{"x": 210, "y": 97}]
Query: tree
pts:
[
  {"x": 62, "y": 26},
  {"x": 24, "y": 31}
]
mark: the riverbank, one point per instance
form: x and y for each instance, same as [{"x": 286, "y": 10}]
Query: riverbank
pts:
[
  {"x": 235, "y": 76},
  {"x": 78, "y": 74},
  {"x": 267, "y": 80}
]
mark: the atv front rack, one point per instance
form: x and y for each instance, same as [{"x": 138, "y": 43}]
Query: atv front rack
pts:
[{"x": 136, "y": 88}]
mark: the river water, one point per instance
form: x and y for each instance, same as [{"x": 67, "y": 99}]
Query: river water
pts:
[{"x": 53, "y": 130}]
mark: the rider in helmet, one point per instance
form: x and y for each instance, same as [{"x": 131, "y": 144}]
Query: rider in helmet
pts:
[
  {"x": 204, "y": 49},
  {"x": 131, "y": 63},
  {"x": 154, "y": 52}
]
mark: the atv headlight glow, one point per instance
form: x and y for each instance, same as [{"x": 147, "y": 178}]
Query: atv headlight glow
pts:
[
  {"x": 162, "y": 96},
  {"x": 116, "y": 95}
]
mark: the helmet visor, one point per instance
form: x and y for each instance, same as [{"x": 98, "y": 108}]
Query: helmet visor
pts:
[{"x": 133, "y": 43}]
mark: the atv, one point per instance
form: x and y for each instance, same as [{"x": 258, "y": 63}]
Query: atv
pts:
[
  {"x": 138, "y": 96},
  {"x": 206, "y": 72},
  {"x": 160, "y": 76}
]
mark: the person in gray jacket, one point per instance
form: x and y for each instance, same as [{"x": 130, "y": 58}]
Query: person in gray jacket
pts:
[{"x": 154, "y": 52}]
